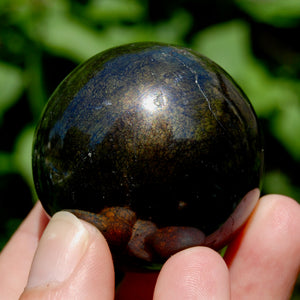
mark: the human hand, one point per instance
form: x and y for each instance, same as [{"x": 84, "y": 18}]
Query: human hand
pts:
[{"x": 72, "y": 261}]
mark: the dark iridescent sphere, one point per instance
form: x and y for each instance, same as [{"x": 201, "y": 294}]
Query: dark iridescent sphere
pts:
[{"x": 154, "y": 144}]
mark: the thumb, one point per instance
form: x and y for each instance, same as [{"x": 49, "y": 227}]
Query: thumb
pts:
[{"x": 72, "y": 261}]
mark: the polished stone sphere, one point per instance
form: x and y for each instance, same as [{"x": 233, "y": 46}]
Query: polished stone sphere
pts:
[{"x": 154, "y": 144}]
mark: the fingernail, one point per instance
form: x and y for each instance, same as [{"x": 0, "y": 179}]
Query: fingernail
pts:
[{"x": 60, "y": 249}]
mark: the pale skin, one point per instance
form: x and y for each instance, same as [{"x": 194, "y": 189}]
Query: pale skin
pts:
[{"x": 262, "y": 262}]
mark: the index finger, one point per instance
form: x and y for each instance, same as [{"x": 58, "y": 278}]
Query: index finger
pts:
[{"x": 17, "y": 255}]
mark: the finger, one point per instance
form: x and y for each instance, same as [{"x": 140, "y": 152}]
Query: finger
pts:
[
  {"x": 264, "y": 260},
  {"x": 72, "y": 261},
  {"x": 195, "y": 273},
  {"x": 16, "y": 257}
]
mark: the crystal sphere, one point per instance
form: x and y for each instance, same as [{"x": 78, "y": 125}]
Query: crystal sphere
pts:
[{"x": 154, "y": 144}]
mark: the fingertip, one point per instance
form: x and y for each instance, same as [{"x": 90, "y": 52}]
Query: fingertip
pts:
[
  {"x": 264, "y": 258},
  {"x": 281, "y": 216},
  {"x": 72, "y": 261},
  {"x": 195, "y": 273},
  {"x": 275, "y": 223},
  {"x": 280, "y": 199}
]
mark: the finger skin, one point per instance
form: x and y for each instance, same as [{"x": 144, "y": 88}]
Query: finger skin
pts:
[
  {"x": 264, "y": 260},
  {"x": 16, "y": 257},
  {"x": 195, "y": 273},
  {"x": 93, "y": 277}
]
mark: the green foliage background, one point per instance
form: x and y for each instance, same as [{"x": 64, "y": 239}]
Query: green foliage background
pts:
[{"x": 41, "y": 41}]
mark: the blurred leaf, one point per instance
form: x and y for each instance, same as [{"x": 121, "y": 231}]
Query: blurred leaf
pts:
[
  {"x": 22, "y": 154},
  {"x": 279, "y": 13},
  {"x": 114, "y": 10},
  {"x": 276, "y": 182},
  {"x": 175, "y": 28},
  {"x": 6, "y": 163},
  {"x": 228, "y": 44},
  {"x": 23, "y": 13},
  {"x": 66, "y": 36},
  {"x": 34, "y": 76},
  {"x": 11, "y": 86},
  {"x": 286, "y": 127}
]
